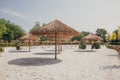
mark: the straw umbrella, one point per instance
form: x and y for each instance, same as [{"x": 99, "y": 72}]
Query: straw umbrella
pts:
[
  {"x": 29, "y": 37},
  {"x": 58, "y": 30},
  {"x": 92, "y": 37}
]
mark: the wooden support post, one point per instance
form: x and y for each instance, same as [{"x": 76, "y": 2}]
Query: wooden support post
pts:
[
  {"x": 29, "y": 45},
  {"x": 55, "y": 45},
  {"x": 91, "y": 46},
  {"x": 58, "y": 46}
]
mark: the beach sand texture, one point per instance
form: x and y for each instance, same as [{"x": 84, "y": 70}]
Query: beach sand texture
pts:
[{"x": 72, "y": 64}]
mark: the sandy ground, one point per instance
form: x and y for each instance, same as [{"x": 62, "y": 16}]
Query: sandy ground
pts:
[{"x": 72, "y": 64}]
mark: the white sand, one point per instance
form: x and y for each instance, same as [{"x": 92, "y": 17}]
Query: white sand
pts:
[{"x": 72, "y": 64}]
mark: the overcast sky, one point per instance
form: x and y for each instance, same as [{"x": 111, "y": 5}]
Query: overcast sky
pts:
[{"x": 83, "y": 15}]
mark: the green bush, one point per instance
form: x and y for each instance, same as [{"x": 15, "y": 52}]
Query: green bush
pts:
[
  {"x": 12, "y": 44},
  {"x": 1, "y": 49},
  {"x": 18, "y": 45},
  {"x": 96, "y": 45},
  {"x": 114, "y": 43},
  {"x": 82, "y": 45}
]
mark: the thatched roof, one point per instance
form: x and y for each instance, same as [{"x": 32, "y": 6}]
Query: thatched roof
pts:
[
  {"x": 57, "y": 30},
  {"x": 92, "y": 37},
  {"x": 56, "y": 27},
  {"x": 29, "y": 37}
]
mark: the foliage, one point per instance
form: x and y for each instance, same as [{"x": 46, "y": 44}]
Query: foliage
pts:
[
  {"x": 96, "y": 45},
  {"x": 36, "y": 26},
  {"x": 115, "y": 43},
  {"x": 74, "y": 38},
  {"x": 1, "y": 49},
  {"x": 114, "y": 36},
  {"x": 15, "y": 30},
  {"x": 43, "y": 24},
  {"x": 10, "y": 31},
  {"x": 82, "y": 45},
  {"x": 8, "y": 35},
  {"x": 109, "y": 37},
  {"x": 102, "y": 33},
  {"x": 79, "y": 38},
  {"x": 116, "y": 31},
  {"x": 2, "y": 27},
  {"x": 12, "y": 44},
  {"x": 43, "y": 38},
  {"x": 18, "y": 45},
  {"x": 118, "y": 34},
  {"x": 85, "y": 33}
]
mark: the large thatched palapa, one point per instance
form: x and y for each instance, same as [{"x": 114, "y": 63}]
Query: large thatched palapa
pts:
[
  {"x": 56, "y": 27},
  {"x": 58, "y": 30}
]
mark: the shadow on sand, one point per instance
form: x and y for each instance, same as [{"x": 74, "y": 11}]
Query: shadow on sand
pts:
[
  {"x": 117, "y": 56},
  {"x": 49, "y": 50},
  {"x": 111, "y": 67},
  {"x": 84, "y": 51},
  {"x": 45, "y": 53},
  {"x": 34, "y": 61},
  {"x": 16, "y": 51}
]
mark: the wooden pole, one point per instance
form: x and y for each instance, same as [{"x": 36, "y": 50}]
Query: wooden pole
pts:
[
  {"x": 29, "y": 45},
  {"x": 91, "y": 46},
  {"x": 55, "y": 45},
  {"x": 60, "y": 48},
  {"x": 58, "y": 45}
]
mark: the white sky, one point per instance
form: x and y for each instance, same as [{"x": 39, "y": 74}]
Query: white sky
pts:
[{"x": 83, "y": 15}]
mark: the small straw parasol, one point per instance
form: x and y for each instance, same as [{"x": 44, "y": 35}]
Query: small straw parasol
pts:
[
  {"x": 92, "y": 37},
  {"x": 29, "y": 37},
  {"x": 58, "y": 30}
]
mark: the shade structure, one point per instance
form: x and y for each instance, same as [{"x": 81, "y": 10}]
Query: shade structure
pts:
[
  {"x": 29, "y": 37},
  {"x": 58, "y": 30},
  {"x": 56, "y": 26},
  {"x": 92, "y": 37}
]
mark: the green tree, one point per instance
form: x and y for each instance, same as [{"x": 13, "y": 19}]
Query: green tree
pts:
[
  {"x": 36, "y": 26},
  {"x": 43, "y": 24},
  {"x": 108, "y": 37},
  {"x": 82, "y": 44},
  {"x": 102, "y": 33},
  {"x": 118, "y": 34},
  {"x": 117, "y": 31},
  {"x": 85, "y": 33},
  {"x": 74, "y": 38},
  {"x": 14, "y": 31},
  {"x": 10, "y": 31},
  {"x": 79, "y": 37},
  {"x": 43, "y": 38},
  {"x": 8, "y": 35},
  {"x": 2, "y": 27},
  {"x": 113, "y": 36}
]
